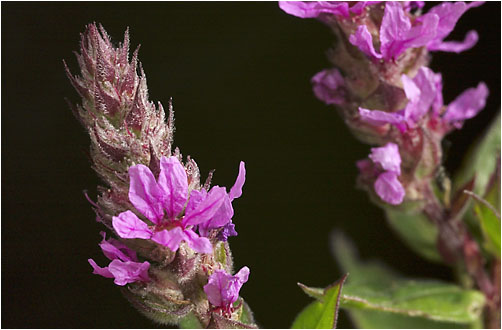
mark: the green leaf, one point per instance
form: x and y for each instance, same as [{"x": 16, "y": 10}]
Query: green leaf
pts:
[
  {"x": 489, "y": 217},
  {"x": 372, "y": 319},
  {"x": 416, "y": 231},
  {"x": 374, "y": 287},
  {"x": 433, "y": 300},
  {"x": 323, "y": 313},
  {"x": 481, "y": 160}
]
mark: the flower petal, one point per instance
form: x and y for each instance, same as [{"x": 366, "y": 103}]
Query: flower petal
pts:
[
  {"x": 206, "y": 209},
  {"x": 99, "y": 270},
  {"x": 129, "y": 271},
  {"x": 170, "y": 238},
  {"x": 174, "y": 184},
  {"x": 422, "y": 92},
  {"x": 468, "y": 104},
  {"x": 449, "y": 13},
  {"x": 362, "y": 39},
  {"x": 222, "y": 216},
  {"x": 114, "y": 249},
  {"x": 378, "y": 117},
  {"x": 222, "y": 289},
  {"x": 236, "y": 190},
  {"x": 144, "y": 193},
  {"x": 388, "y": 157},
  {"x": 198, "y": 244},
  {"x": 128, "y": 225},
  {"x": 329, "y": 86},
  {"x": 227, "y": 231},
  {"x": 397, "y": 33},
  {"x": 470, "y": 40},
  {"x": 388, "y": 187},
  {"x": 313, "y": 9}
]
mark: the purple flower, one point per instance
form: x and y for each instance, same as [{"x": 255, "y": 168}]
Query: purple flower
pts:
[
  {"x": 398, "y": 33},
  {"x": 124, "y": 267},
  {"x": 329, "y": 86},
  {"x": 466, "y": 105},
  {"x": 312, "y": 9},
  {"x": 222, "y": 289},
  {"x": 424, "y": 93},
  {"x": 387, "y": 184},
  {"x": 163, "y": 202},
  {"x": 449, "y": 13}
]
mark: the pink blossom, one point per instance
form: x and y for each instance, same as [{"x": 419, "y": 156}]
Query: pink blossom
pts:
[
  {"x": 329, "y": 86},
  {"x": 398, "y": 33},
  {"x": 222, "y": 289},
  {"x": 312, "y": 9},
  {"x": 163, "y": 201},
  {"x": 124, "y": 266},
  {"x": 424, "y": 94},
  {"x": 387, "y": 168}
]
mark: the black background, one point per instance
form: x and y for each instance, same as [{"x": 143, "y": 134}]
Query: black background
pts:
[{"x": 239, "y": 76}]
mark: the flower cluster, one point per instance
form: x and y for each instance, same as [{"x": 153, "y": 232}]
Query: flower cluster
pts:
[
  {"x": 384, "y": 89},
  {"x": 172, "y": 229}
]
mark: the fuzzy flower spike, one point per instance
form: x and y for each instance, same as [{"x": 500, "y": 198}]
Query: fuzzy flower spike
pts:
[{"x": 171, "y": 212}]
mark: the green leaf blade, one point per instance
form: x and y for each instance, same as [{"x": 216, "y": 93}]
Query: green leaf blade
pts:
[{"x": 322, "y": 313}]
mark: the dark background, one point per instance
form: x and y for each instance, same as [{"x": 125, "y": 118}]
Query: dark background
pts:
[{"x": 239, "y": 76}]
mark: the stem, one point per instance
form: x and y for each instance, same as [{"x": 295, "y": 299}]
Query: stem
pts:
[{"x": 456, "y": 246}]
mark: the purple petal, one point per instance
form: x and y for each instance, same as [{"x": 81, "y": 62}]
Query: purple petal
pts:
[
  {"x": 362, "y": 39},
  {"x": 170, "y": 238},
  {"x": 99, "y": 270},
  {"x": 468, "y": 104},
  {"x": 315, "y": 8},
  {"x": 114, "y": 249},
  {"x": 222, "y": 289},
  {"x": 388, "y": 157},
  {"x": 388, "y": 187},
  {"x": 243, "y": 274},
  {"x": 329, "y": 86},
  {"x": 394, "y": 24},
  {"x": 227, "y": 231},
  {"x": 378, "y": 117},
  {"x": 422, "y": 92},
  {"x": 411, "y": 5},
  {"x": 144, "y": 193},
  {"x": 206, "y": 209},
  {"x": 174, "y": 183},
  {"x": 456, "y": 46},
  {"x": 128, "y": 225},
  {"x": 196, "y": 197},
  {"x": 198, "y": 244},
  {"x": 449, "y": 13},
  {"x": 397, "y": 33},
  {"x": 360, "y": 5},
  {"x": 236, "y": 190},
  {"x": 222, "y": 216},
  {"x": 129, "y": 271}
]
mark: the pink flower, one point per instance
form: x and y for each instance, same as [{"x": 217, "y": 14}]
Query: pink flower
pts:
[
  {"x": 424, "y": 93},
  {"x": 163, "y": 202},
  {"x": 398, "y": 33},
  {"x": 329, "y": 86},
  {"x": 124, "y": 267},
  {"x": 222, "y": 289},
  {"x": 388, "y": 168},
  {"x": 312, "y": 9}
]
